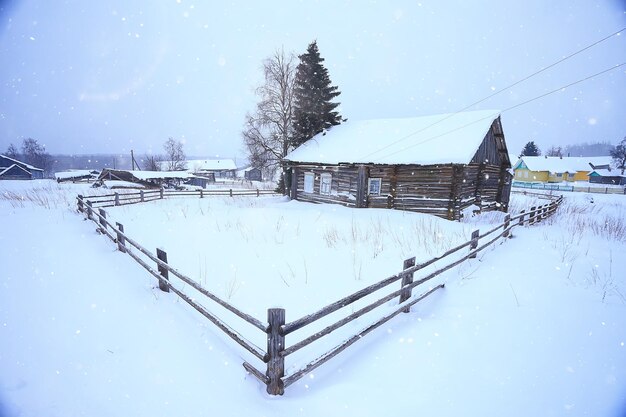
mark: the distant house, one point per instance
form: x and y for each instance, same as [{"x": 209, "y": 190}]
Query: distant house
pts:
[
  {"x": 607, "y": 176},
  {"x": 252, "y": 174},
  {"x": 557, "y": 169},
  {"x": 439, "y": 165},
  {"x": 144, "y": 179},
  {"x": 218, "y": 168},
  {"x": 12, "y": 169}
]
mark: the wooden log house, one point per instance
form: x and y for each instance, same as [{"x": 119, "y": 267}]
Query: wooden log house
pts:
[{"x": 440, "y": 165}]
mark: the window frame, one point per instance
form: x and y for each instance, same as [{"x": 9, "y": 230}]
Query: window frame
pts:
[
  {"x": 326, "y": 179},
  {"x": 369, "y": 185},
  {"x": 310, "y": 175}
]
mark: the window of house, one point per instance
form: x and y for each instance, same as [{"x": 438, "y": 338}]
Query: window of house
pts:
[
  {"x": 325, "y": 183},
  {"x": 559, "y": 175},
  {"x": 309, "y": 182},
  {"x": 373, "y": 187},
  {"x": 525, "y": 174}
]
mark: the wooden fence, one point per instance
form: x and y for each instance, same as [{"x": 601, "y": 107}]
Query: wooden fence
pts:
[
  {"x": 591, "y": 188},
  {"x": 142, "y": 196},
  {"x": 277, "y": 328}
]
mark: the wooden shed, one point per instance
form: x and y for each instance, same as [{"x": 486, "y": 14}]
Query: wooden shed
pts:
[
  {"x": 439, "y": 165},
  {"x": 607, "y": 176},
  {"x": 12, "y": 169},
  {"x": 252, "y": 174}
]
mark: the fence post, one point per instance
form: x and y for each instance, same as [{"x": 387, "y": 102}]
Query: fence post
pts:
[
  {"x": 89, "y": 209},
  {"x": 231, "y": 192},
  {"x": 201, "y": 194},
  {"x": 507, "y": 221},
  {"x": 117, "y": 199},
  {"x": 103, "y": 219},
  {"x": 539, "y": 214},
  {"x": 141, "y": 195},
  {"x": 533, "y": 213},
  {"x": 80, "y": 203},
  {"x": 121, "y": 242},
  {"x": 275, "y": 344},
  {"x": 257, "y": 192},
  {"x": 162, "y": 256},
  {"x": 406, "y": 280},
  {"x": 161, "y": 193},
  {"x": 474, "y": 243},
  {"x": 521, "y": 219}
]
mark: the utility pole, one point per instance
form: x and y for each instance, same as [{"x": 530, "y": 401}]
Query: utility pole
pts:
[{"x": 132, "y": 160}]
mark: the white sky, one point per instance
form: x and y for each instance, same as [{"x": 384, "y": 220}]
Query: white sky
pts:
[{"x": 91, "y": 77}]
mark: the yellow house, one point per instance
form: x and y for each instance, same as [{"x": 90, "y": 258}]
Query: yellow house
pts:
[{"x": 557, "y": 169}]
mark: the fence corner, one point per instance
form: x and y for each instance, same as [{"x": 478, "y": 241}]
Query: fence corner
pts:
[{"x": 275, "y": 344}]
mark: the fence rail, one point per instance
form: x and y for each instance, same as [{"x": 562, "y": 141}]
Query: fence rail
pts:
[
  {"x": 595, "y": 188},
  {"x": 142, "y": 196},
  {"x": 276, "y": 329}
]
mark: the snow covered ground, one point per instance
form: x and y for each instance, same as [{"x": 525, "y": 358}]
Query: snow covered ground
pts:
[{"x": 536, "y": 325}]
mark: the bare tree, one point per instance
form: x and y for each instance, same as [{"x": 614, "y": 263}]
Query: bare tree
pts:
[
  {"x": 174, "y": 154},
  {"x": 36, "y": 155},
  {"x": 12, "y": 152},
  {"x": 152, "y": 162},
  {"x": 266, "y": 130},
  {"x": 554, "y": 151},
  {"x": 619, "y": 155}
]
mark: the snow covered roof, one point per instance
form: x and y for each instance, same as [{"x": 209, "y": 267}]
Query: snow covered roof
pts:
[
  {"x": 564, "y": 164},
  {"x": 78, "y": 173},
  {"x": 607, "y": 173},
  {"x": 152, "y": 175},
  {"x": 211, "y": 165},
  {"x": 444, "y": 138},
  {"x": 23, "y": 164}
]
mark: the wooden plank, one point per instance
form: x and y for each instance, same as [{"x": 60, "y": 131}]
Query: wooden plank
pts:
[
  {"x": 253, "y": 371},
  {"x": 308, "y": 319}
]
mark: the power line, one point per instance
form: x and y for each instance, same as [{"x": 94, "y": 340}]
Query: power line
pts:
[
  {"x": 499, "y": 91},
  {"x": 502, "y": 111}
]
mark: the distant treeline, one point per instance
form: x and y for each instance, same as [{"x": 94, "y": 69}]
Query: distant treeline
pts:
[
  {"x": 96, "y": 162},
  {"x": 588, "y": 149}
]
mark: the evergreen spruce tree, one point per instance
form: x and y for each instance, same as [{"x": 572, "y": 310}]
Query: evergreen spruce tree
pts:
[
  {"x": 531, "y": 149},
  {"x": 314, "y": 110}
]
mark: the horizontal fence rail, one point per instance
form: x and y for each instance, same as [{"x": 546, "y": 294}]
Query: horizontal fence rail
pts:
[
  {"x": 276, "y": 328},
  {"x": 142, "y": 196},
  {"x": 595, "y": 188}
]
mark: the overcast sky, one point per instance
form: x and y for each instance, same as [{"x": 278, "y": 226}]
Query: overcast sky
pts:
[{"x": 84, "y": 76}]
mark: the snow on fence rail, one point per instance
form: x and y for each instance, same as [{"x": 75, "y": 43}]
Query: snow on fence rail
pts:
[
  {"x": 277, "y": 328},
  {"x": 142, "y": 196}
]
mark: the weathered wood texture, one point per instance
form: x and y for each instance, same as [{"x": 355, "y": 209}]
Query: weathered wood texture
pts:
[
  {"x": 275, "y": 344},
  {"x": 444, "y": 190}
]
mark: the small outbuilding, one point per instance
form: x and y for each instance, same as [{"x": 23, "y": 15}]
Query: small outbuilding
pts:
[
  {"x": 439, "y": 164},
  {"x": 252, "y": 174},
  {"x": 607, "y": 176},
  {"x": 216, "y": 168},
  {"x": 12, "y": 169}
]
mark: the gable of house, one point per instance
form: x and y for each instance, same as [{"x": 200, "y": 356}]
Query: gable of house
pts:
[{"x": 15, "y": 172}]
